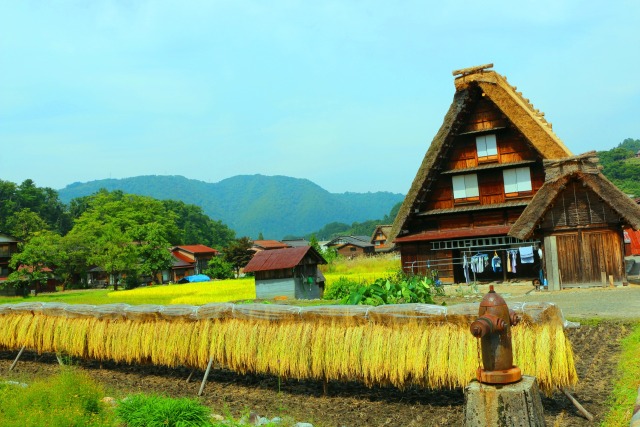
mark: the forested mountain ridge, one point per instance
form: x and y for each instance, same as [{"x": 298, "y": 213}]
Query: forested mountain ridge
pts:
[
  {"x": 622, "y": 167},
  {"x": 275, "y": 206}
]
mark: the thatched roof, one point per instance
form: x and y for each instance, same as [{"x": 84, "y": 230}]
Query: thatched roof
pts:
[
  {"x": 558, "y": 173},
  {"x": 518, "y": 110}
]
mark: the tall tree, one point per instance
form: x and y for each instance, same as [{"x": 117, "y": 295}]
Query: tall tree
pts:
[
  {"x": 33, "y": 265},
  {"x": 238, "y": 253}
]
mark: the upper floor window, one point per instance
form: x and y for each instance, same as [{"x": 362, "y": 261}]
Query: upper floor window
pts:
[
  {"x": 516, "y": 181},
  {"x": 465, "y": 187},
  {"x": 487, "y": 147}
]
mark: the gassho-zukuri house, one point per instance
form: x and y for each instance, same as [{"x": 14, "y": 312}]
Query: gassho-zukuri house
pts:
[{"x": 498, "y": 196}]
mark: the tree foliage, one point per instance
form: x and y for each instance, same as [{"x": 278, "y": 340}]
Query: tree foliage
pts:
[
  {"x": 238, "y": 253},
  {"x": 38, "y": 202},
  {"x": 32, "y": 265},
  {"x": 622, "y": 167}
]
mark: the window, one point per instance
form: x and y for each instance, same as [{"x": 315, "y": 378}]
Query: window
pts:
[
  {"x": 516, "y": 181},
  {"x": 487, "y": 147},
  {"x": 465, "y": 187}
]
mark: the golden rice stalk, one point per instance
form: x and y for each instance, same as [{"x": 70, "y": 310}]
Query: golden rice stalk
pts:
[
  {"x": 438, "y": 354},
  {"x": 96, "y": 340},
  {"x": 542, "y": 356}
]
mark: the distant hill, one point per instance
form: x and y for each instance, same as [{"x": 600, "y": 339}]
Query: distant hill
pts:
[
  {"x": 275, "y": 206},
  {"x": 622, "y": 167}
]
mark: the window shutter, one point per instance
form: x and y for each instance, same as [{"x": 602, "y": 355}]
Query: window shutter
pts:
[
  {"x": 459, "y": 189},
  {"x": 510, "y": 181},
  {"x": 490, "y": 142},
  {"x": 471, "y": 184},
  {"x": 523, "y": 176}
]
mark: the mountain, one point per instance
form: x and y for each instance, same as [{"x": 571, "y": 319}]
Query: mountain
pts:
[
  {"x": 622, "y": 167},
  {"x": 251, "y": 204}
]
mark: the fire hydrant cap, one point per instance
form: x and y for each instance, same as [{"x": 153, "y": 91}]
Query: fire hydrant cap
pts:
[{"x": 492, "y": 299}]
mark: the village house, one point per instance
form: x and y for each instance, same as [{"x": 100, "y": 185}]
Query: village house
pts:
[
  {"x": 379, "y": 239},
  {"x": 8, "y": 247},
  {"x": 267, "y": 245},
  {"x": 189, "y": 260},
  {"x": 351, "y": 246},
  {"x": 288, "y": 272},
  {"x": 483, "y": 168}
]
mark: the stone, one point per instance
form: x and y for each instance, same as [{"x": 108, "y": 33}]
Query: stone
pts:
[
  {"x": 303, "y": 425},
  {"x": 508, "y": 405}
]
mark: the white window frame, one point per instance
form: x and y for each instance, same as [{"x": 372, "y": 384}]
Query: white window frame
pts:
[
  {"x": 465, "y": 186},
  {"x": 517, "y": 180},
  {"x": 486, "y": 145}
]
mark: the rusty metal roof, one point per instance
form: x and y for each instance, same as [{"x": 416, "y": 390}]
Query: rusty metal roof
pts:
[
  {"x": 197, "y": 249},
  {"x": 278, "y": 259},
  {"x": 269, "y": 244}
]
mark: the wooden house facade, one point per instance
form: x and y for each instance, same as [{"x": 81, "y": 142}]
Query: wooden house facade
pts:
[
  {"x": 580, "y": 216},
  {"x": 482, "y": 169},
  {"x": 288, "y": 272},
  {"x": 189, "y": 260},
  {"x": 351, "y": 246},
  {"x": 380, "y": 237}
]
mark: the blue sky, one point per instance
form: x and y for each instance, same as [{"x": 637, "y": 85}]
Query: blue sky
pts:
[{"x": 348, "y": 94}]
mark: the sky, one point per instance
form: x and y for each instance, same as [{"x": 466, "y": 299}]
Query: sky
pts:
[{"x": 346, "y": 93}]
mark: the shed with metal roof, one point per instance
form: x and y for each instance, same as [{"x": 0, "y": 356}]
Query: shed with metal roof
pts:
[{"x": 288, "y": 272}]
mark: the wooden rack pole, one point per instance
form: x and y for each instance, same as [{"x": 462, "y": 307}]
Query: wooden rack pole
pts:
[
  {"x": 206, "y": 375},
  {"x": 578, "y": 406},
  {"x": 190, "y": 375},
  {"x": 17, "y": 357}
]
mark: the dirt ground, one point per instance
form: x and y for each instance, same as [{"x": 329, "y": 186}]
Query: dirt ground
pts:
[{"x": 352, "y": 404}]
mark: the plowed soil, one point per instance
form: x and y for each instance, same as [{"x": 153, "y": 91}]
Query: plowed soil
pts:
[{"x": 345, "y": 404}]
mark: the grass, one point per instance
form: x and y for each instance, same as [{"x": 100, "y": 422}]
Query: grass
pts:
[
  {"x": 67, "y": 399},
  {"x": 625, "y": 387}
]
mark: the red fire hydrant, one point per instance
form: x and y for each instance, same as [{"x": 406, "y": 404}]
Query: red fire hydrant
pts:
[{"x": 493, "y": 327}]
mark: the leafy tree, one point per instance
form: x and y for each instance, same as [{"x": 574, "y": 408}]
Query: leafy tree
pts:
[
  {"x": 24, "y": 224},
  {"x": 219, "y": 269},
  {"x": 75, "y": 266},
  {"x": 33, "y": 264},
  {"x": 238, "y": 253},
  {"x": 313, "y": 242},
  {"x": 114, "y": 252},
  {"x": 196, "y": 227},
  {"x": 260, "y": 236},
  {"x": 44, "y": 202},
  {"x": 152, "y": 250}
]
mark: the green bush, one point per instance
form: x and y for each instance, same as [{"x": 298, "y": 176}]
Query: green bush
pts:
[
  {"x": 220, "y": 269},
  {"x": 67, "y": 399},
  {"x": 150, "y": 411},
  {"x": 397, "y": 289},
  {"x": 341, "y": 288}
]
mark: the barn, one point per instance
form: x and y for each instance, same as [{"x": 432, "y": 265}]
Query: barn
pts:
[
  {"x": 289, "y": 272},
  {"x": 580, "y": 217}
]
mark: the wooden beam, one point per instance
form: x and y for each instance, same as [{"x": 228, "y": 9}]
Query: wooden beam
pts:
[{"x": 471, "y": 70}]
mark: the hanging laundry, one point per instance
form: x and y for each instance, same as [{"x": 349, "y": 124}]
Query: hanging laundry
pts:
[
  {"x": 496, "y": 263},
  {"x": 465, "y": 268},
  {"x": 509, "y": 261},
  {"x": 479, "y": 262},
  {"x": 526, "y": 254},
  {"x": 514, "y": 254}
]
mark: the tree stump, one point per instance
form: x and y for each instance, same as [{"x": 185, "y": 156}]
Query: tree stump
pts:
[{"x": 512, "y": 405}]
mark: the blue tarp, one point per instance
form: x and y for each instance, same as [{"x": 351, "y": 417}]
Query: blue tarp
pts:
[{"x": 195, "y": 278}]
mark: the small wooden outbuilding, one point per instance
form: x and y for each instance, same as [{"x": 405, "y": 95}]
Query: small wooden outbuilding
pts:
[
  {"x": 580, "y": 216},
  {"x": 289, "y": 272}
]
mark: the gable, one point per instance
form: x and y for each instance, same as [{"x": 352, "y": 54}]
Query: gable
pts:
[
  {"x": 576, "y": 194},
  {"x": 485, "y": 107}
]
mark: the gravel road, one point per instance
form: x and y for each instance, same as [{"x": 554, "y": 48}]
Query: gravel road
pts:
[{"x": 622, "y": 302}]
